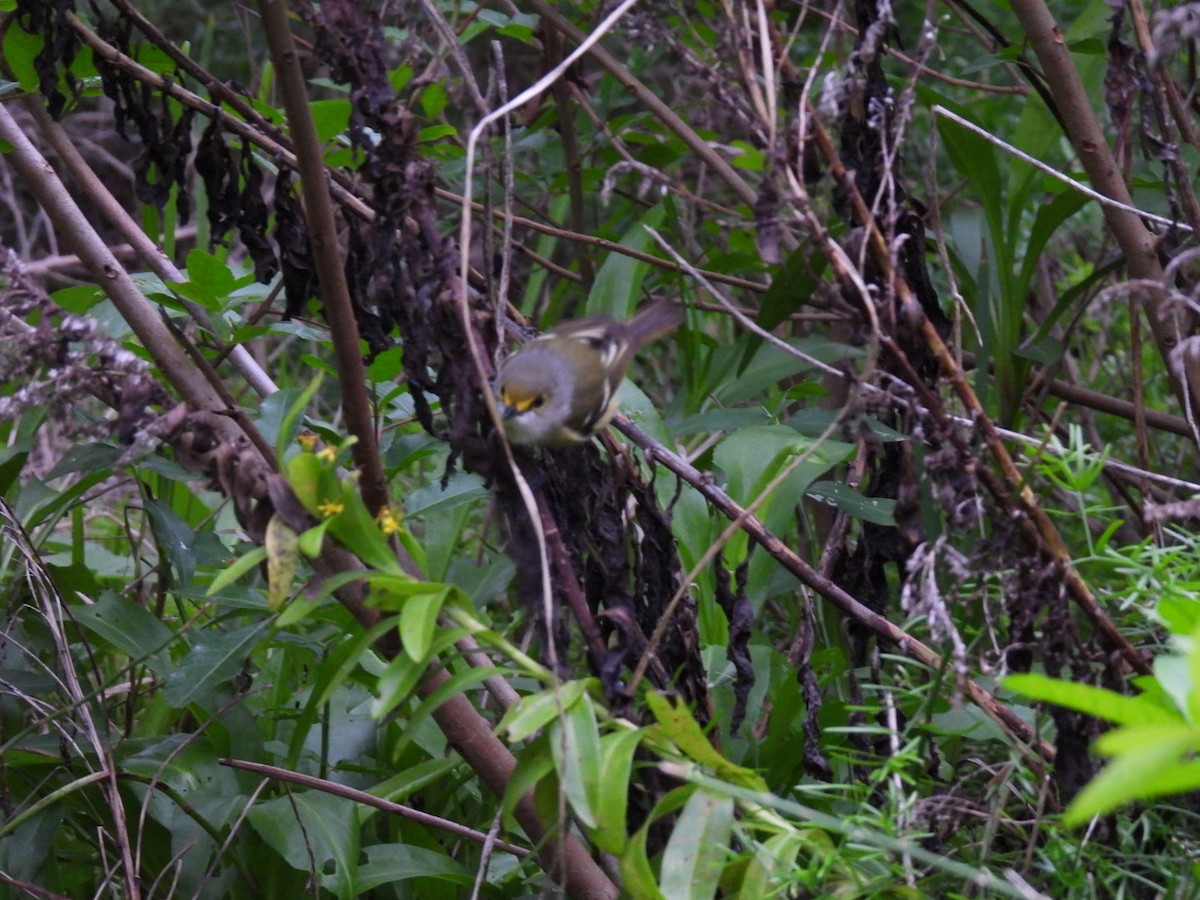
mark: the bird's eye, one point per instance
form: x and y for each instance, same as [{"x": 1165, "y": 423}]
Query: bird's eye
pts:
[{"x": 538, "y": 402}]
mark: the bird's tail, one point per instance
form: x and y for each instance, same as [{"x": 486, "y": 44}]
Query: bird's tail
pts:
[{"x": 655, "y": 321}]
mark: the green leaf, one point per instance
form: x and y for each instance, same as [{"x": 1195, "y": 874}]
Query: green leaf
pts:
[
  {"x": 1049, "y": 217},
  {"x": 20, "y": 50},
  {"x": 770, "y": 865},
  {"x": 575, "y": 744},
  {"x": 677, "y": 724},
  {"x": 617, "y": 289},
  {"x": 698, "y": 848},
  {"x": 879, "y": 510},
  {"x": 433, "y": 99},
  {"x": 85, "y": 457},
  {"x": 721, "y": 420},
  {"x": 641, "y": 409},
  {"x": 975, "y": 159},
  {"x": 536, "y": 711},
  {"x": 331, "y": 117},
  {"x": 1099, "y": 702},
  {"x": 314, "y": 832},
  {"x": 616, "y": 767},
  {"x": 402, "y": 675},
  {"x": 1153, "y": 770},
  {"x": 129, "y": 627},
  {"x": 534, "y": 763},
  {"x": 436, "y": 132},
  {"x": 390, "y": 863},
  {"x": 461, "y": 488},
  {"x": 752, "y": 457},
  {"x": 280, "y": 414},
  {"x": 210, "y": 664},
  {"x": 175, "y": 538},
  {"x": 418, "y": 622},
  {"x": 210, "y": 281},
  {"x": 240, "y": 567},
  {"x": 1134, "y": 738},
  {"x": 636, "y": 873}
]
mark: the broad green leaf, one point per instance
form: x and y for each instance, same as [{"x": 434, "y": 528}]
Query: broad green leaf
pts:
[
  {"x": 210, "y": 280},
  {"x": 752, "y": 457},
  {"x": 641, "y": 409},
  {"x": 331, "y": 117},
  {"x": 316, "y": 833},
  {"x": 237, "y": 569},
  {"x": 636, "y": 873},
  {"x": 792, "y": 285},
  {"x": 721, "y": 420},
  {"x": 398, "y": 681},
  {"x": 617, "y": 289},
  {"x": 1049, "y": 217},
  {"x": 1153, "y": 770},
  {"x": 391, "y": 863},
  {"x": 616, "y": 767},
  {"x": 678, "y": 724},
  {"x": 175, "y": 537},
  {"x": 698, "y": 848},
  {"x": 879, "y": 510},
  {"x": 457, "y": 684},
  {"x": 129, "y": 627},
  {"x": 975, "y": 159},
  {"x": 209, "y": 664},
  {"x": 575, "y": 743},
  {"x": 84, "y": 458},
  {"x": 534, "y": 763},
  {"x": 418, "y": 622},
  {"x": 461, "y": 488},
  {"x": 536, "y": 711},
  {"x": 281, "y": 414},
  {"x": 356, "y": 529},
  {"x": 1134, "y": 738}
]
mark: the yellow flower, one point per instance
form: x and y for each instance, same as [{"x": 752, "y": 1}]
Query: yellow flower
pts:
[
  {"x": 307, "y": 441},
  {"x": 329, "y": 509},
  {"x": 389, "y": 522},
  {"x": 327, "y": 453}
]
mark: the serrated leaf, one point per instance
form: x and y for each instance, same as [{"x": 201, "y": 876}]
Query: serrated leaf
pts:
[{"x": 678, "y": 724}]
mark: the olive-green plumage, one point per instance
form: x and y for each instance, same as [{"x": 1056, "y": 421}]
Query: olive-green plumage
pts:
[{"x": 562, "y": 387}]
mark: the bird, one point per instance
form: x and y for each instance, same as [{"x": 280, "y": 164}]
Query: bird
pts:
[{"x": 563, "y": 386}]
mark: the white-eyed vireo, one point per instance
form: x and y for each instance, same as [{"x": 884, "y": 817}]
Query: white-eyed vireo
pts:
[{"x": 561, "y": 387}]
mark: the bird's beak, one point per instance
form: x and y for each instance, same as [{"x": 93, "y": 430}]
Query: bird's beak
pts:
[{"x": 507, "y": 411}]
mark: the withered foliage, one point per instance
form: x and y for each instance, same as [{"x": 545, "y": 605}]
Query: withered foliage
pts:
[
  {"x": 53, "y": 62},
  {"x": 84, "y": 383}
]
